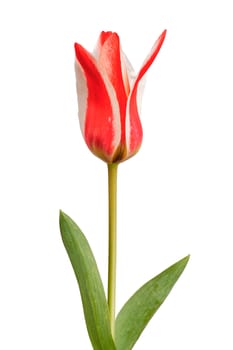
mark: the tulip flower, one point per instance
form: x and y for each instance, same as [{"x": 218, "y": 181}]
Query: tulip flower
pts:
[{"x": 109, "y": 96}]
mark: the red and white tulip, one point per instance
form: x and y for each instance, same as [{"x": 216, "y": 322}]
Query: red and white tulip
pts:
[{"x": 109, "y": 96}]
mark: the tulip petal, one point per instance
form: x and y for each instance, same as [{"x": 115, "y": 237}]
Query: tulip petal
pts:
[
  {"x": 128, "y": 68},
  {"x": 98, "y": 108},
  {"x": 133, "y": 124},
  {"x": 110, "y": 60},
  {"x": 110, "y": 56}
]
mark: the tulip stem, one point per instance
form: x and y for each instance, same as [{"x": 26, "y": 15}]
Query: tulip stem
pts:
[{"x": 112, "y": 242}]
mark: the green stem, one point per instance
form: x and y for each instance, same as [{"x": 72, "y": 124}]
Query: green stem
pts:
[{"x": 112, "y": 243}]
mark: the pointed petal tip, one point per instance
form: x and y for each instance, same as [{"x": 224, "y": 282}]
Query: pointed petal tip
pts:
[
  {"x": 76, "y": 45},
  {"x": 77, "y": 49},
  {"x": 80, "y": 52},
  {"x": 161, "y": 38}
]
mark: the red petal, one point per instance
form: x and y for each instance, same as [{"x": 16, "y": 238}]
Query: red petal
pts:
[
  {"x": 110, "y": 60},
  {"x": 101, "y": 125},
  {"x": 133, "y": 124},
  {"x": 104, "y": 36}
]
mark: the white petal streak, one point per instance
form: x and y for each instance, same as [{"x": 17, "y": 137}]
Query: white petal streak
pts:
[
  {"x": 127, "y": 128},
  {"x": 129, "y": 68},
  {"x": 140, "y": 91},
  {"x": 96, "y": 51},
  {"x": 139, "y": 85},
  {"x": 82, "y": 92},
  {"x": 115, "y": 119}
]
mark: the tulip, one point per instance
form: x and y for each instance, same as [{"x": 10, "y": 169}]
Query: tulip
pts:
[{"x": 109, "y": 96}]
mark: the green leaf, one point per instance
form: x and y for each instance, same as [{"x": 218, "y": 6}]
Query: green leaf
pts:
[
  {"x": 91, "y": 288},
  {"x": 140, "y": 308}
]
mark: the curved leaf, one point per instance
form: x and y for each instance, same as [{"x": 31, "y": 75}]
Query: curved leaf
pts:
[
  {"x": 140, "y": 308},
  {"x": 91, "y": 288}
]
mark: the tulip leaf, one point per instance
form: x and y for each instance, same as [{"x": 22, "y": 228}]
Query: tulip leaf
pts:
[
  {"x": 139, "y": 309},
  {"x": 91, "y": 288}
]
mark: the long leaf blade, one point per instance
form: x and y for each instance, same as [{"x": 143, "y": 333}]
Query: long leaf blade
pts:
[
  {"x": 91, "y": 288},
  {"x": 139, "y": 309}
]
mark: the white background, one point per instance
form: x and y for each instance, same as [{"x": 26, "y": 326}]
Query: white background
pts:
[{"x": 175, "y": 196}]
